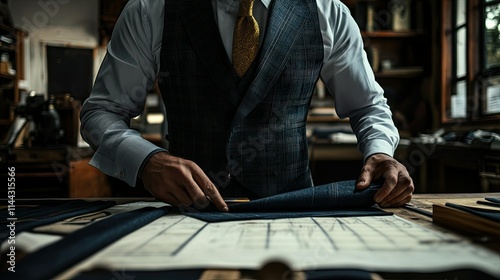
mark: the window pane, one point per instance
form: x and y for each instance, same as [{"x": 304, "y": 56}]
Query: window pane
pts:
[
  {"x": 461, "y": 12},
  {"x": 459, "y": 101},
  {"x": 461, "y": 53},
  {"x": 491, "y": 96},
  {"x": 492, "y": 35}
]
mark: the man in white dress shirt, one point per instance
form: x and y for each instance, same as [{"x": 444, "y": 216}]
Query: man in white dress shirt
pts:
[{"x": 236, "y": 132}]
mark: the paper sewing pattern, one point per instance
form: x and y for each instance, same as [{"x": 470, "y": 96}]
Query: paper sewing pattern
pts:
[{"x": 378, "y": 243}]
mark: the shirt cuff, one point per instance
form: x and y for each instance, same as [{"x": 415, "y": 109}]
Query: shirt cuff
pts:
[
  {"x": 154, "y": 152},
  {"x": 129, "y": 156},
  {"x": 378, "y": 147}
]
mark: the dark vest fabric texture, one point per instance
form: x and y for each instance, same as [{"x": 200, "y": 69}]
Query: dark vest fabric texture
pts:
[{"x": 250, "y": 130}]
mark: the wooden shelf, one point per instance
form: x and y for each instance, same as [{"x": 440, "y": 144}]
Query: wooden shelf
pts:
[
  {"x": 10, "y": 83},
  {"x": 400, "y": 73},
  {"x": 8, "y": 77},
  {"x": 392, "y": 34},
  {"x": 325, "y": 119},
  {"x": 7, "y": 49},
  {"x": 8, "y": 28}
]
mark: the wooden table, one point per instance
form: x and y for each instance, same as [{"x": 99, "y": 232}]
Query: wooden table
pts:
[
  {"x": 420, "y": 201},
  {"x": 425, "y": 202}
]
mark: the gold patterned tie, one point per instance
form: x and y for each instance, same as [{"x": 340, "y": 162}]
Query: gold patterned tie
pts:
[{"x": 245, "y": 38}]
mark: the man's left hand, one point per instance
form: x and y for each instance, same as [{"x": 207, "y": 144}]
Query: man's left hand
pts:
[{"x": 398, "y": 185}]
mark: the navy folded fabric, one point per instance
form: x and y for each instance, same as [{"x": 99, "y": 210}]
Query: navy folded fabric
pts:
[
  {"x": 493, "y": 215},
  {"x": 338, "y": 199},
  {"x": 188, "y": 274},
  {"x": 53, "y": 259},
  {"x": 336, "y": 195},
  {"x": 493, "y": 199},
  {"x": 42, "y": 210},
  {"x": 32, "y": 217},
  {"x": 37, "y": 209},
  {"x": 490, "y": 201},
  {"x": 485, "y": 202},
  {"x": 215, "y": 217}
]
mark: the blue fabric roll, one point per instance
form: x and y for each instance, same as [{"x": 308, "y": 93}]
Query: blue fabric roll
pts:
[
  {"x": 338, "y": 199},
  {"x": 336, "y": 195}
]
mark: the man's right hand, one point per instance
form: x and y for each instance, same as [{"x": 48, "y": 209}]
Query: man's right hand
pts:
[{"x": 177, "y": 181}]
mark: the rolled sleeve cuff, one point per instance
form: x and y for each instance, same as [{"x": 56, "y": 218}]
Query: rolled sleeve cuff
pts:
[
  {"x": 378, "y": 147},
  {"x": 129, "y": 159}
]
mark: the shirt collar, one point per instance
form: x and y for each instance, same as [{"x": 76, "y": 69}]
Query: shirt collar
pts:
[
  {"x": 266, "y": 3},
  {"x": 230, "y": 3}
]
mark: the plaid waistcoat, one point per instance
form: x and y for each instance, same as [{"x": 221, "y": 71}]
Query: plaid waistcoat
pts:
[{"x": 253, "y": 129}]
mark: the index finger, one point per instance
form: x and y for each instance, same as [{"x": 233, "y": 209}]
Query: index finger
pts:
[{"x": 210, "y": 190}]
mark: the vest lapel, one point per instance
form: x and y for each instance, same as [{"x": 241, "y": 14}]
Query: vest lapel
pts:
[
  {"x": 285, "y": 24},
  {"x": 200, "y": 25}
]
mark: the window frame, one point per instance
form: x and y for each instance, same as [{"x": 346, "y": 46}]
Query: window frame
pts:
[{"x": 475, "y": 74}]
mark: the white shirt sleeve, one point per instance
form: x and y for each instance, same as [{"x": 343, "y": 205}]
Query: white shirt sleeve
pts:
[
  {"x": 126, "y": 75},
  {"x": 348, "y": 76}
]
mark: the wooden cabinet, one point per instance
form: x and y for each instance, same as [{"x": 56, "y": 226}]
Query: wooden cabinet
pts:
[
  {"x": 11, "y": 71},
  {"x": 398, "y": 41}
]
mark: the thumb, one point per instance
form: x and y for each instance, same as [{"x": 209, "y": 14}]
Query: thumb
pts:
[{"x": 364, "y": 179}]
